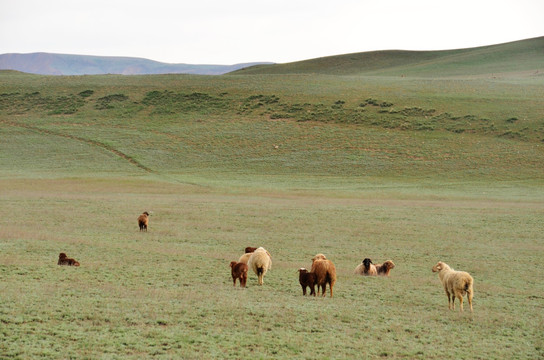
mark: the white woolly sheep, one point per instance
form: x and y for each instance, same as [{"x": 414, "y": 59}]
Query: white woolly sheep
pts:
[
  {"x": 456, "y": 284},
  {"x": 260, "y": 261}
]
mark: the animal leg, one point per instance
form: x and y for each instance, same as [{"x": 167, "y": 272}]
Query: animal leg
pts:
[
  {"x": 460, "y": 302},
  {"x": 469, "y": 296},
  {"x": 449, "y": 299}
]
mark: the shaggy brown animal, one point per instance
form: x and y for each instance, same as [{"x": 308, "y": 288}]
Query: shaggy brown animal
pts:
[
  {"x": 385, "y": 268},
  {"x": 250, "y": 249},
  {"x": 307, "y": 279},
  {"x": 239, "y": 271},
  {"x": 143, "y": 220},
  {"x": 366, "y": 267},
  {"x": 65, "y": 260},
  {"x": 456, "y": 284},
  {"x": 325, "y": 273}
]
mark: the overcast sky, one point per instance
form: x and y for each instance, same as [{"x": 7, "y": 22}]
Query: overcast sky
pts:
[{"x": 236, "y": 31}]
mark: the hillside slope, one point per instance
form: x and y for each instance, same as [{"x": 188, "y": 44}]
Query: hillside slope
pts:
[
  {"x": 62, "y": 64},
  {"x": 520, "y": 57},
  {"x": 309, "y": 126}
]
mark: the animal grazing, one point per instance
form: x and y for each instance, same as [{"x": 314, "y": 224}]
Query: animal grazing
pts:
[
  {"x": 65, "y": 260},
  {"x": 260, "y": 261},
  {"x": 366, "y": 267},
  {"x": 307, "y": 279},
  {"x": 244, "y": 258},
  {"x": 143, "y": 221},
  {"x": 250, "y": 249},
  {"x": 239, "y": 271},
  {"x": 456, "y": 284},
  {"x": 385, "y": 268},
  {"x": 325, "y": 273}
]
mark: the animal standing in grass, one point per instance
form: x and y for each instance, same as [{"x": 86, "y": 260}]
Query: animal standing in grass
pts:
[
  {"x": 143, "y": 221},
  {"x": 456, "y": 284},
  {"x": 260, "y": 261},
  {"x": 239, "y": 271},
  {"x": 307, "y": 279},
  {"x": 325, "y": 273},
  {"x": 366, "y": 267},
  {"x": 65, "y": 260}
]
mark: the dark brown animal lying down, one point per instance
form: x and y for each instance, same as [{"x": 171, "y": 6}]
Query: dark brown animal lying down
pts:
[
  {"x": 65, "y": 260},
  {"x": 385, "y": 268}
]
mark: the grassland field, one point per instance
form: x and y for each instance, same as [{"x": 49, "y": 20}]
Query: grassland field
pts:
[{"x": 411, "y": 169}]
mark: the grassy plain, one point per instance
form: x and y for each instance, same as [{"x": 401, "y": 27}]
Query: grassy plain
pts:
[{"x": 410, "y": 169}]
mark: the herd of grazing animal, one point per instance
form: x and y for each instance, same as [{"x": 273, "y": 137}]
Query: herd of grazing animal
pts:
[
  {"x": 323, "y": 272},
  {"x": 456, "y": 284}
]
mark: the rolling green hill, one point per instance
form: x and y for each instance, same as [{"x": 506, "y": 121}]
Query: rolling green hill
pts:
[
  {"x": 521, "y": 57},
  {"x": 322, "y": 125}
]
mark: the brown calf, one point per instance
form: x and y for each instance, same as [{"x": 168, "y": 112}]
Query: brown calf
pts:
[{"x": 239, "y": 271}]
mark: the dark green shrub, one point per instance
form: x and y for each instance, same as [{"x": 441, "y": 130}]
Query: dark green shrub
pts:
[
  {"x": 86, "y": 93},
  {"x": 107, "y": 102}
]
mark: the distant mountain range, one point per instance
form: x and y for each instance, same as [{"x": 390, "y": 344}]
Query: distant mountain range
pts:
[{"x": 63, "y": 64}]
